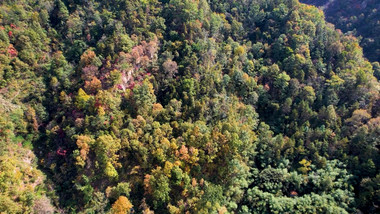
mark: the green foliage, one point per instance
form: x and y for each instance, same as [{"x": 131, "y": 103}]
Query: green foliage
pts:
[
  {"x": 184, "y": 107},
  {"x": 358, "y": 18}
]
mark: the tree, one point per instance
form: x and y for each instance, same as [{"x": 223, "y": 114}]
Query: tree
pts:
[
  {"x": 144, "y": 98},
  {"x": 83, "y": 142},
  {"x": 122, "y": 205},
  {"x": 157, "y": 185},
  {"x": 82, "y": 99},
  {"x": 106, "y": 148}
]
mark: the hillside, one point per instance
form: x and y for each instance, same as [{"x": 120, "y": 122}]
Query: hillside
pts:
[
  {"x": 184, "y": 106},
  {"x": 356, "y": 17}
]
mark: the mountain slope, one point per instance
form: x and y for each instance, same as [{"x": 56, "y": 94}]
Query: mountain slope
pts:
[
  {"x": 359, "y": 18},
  {"x": 187, "y": 106}
]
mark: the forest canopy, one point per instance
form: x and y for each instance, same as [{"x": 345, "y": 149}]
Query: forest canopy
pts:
[
  {"x": 356, "y": 17},
  {"x": 184, "y": 106}
]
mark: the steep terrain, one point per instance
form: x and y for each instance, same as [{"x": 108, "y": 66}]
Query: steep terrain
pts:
[
  {"x": 356, "y": 17},
  {"x": 184, "y": 106}
]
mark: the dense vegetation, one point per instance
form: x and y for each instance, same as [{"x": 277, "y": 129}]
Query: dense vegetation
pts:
[
  {"x": 357, "y": 17},
  {"x": 184, "y": 106}
]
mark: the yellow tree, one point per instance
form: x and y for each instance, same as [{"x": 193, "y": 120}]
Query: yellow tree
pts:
[{"x": 122, "y": 206}]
